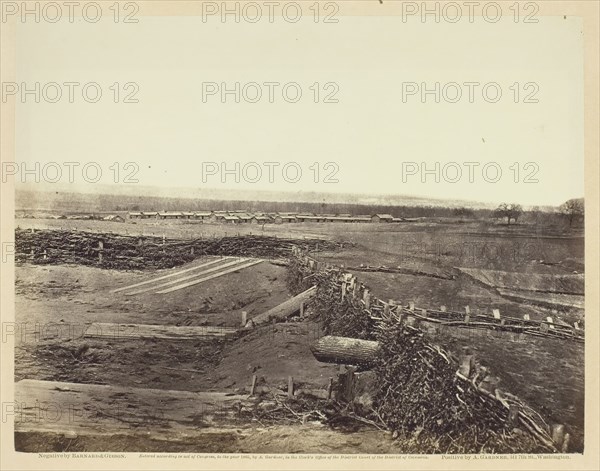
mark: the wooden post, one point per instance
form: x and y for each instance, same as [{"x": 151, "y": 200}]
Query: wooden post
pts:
[
  {"x": 558, "y": 435},
  {"x": 348, "y": 381},
  {"x": 253, "y": 387},
  {"x": 565, "y": 444},
  {"x": 100, "y": 249},
  {"x": 244, "y": 318},
  {"x": 302, "y": 309},
  {"x": 45, "y": 254},
  {"x": 343, "y": 290},
  {"x": 329, "y": 388},
  {"x": 367, "y": 298},
  {"x": 467, "y": 314},
  {"x": 290, "y": 390}
]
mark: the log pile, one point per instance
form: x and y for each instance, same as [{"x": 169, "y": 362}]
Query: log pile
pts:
[{"x": 136, "y": 252}]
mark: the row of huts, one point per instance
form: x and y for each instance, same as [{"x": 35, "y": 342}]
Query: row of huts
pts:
[{"x": 241, "y": 217}]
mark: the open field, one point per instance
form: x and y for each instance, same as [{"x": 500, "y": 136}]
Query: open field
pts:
[{"x": 424, "y": 258}]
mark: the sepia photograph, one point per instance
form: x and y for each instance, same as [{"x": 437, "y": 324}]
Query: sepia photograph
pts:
[{"x": 352, "y": 234}]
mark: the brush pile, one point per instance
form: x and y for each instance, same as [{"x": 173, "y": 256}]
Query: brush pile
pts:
[
  {"x": 134, "y": 252},
  {"x": 422, "y": 392}
]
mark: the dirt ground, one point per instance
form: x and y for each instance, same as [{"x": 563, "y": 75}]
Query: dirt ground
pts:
[
  {"x": 56, "y": 304},
  {"x": 309, "y": 438}
]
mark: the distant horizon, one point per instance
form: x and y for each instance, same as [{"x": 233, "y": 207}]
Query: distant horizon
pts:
[{"x": 269, "y": 196}]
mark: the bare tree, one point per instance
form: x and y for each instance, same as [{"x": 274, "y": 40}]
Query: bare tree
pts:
[
  {"x": 509, "y": 211},
  {"x": 573, "y": 209}
]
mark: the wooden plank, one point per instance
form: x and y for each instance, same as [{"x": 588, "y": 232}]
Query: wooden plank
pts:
[
  {"x": 201, "y": 280},
  {"x": 160, "y": 278},
  {"x": 190, "y": 277},
  {"x": 149, "y": 331},
  {"x": 93, "y": 409},
  {"x": 286, "y": 308}
]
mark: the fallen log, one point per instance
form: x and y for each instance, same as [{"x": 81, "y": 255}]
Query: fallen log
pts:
[
  {"x": 285, "y": 309},
  {"x": 345, "y": 351}
]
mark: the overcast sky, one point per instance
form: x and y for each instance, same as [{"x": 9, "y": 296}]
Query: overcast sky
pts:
[{"x": 371, "y": 134}]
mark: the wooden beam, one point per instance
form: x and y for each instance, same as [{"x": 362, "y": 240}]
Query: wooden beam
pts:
[
  {"x": 190, "y": 277},
  {"x": 287, "y": 308},
  {"x": 217, "y": 275},
  {"x": 202, "y": 265},
  {"x": 148, "y": 331}
]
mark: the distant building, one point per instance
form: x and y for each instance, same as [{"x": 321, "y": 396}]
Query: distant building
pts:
[
  {"x": 281, "y": 218},
  {"x": 244, "y": 218},
  {"x": 203, "y": 215},
  {"x": 217, "y": 217},
  {"x": 382, "y": 218},
  {"x": 260, "y": 219},
  {"x": 170, "y": 215}
]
